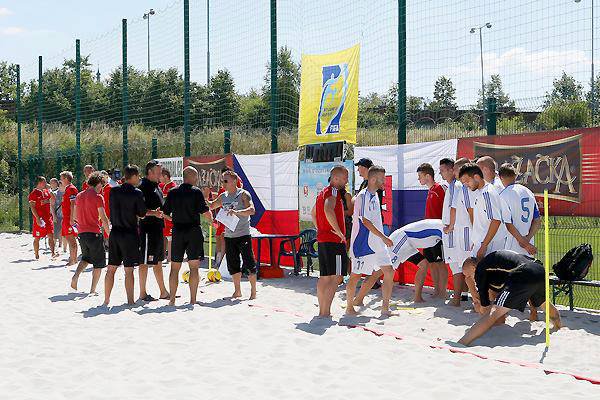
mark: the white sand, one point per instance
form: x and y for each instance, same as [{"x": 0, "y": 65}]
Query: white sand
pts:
[{"x": 57, "y": 344}]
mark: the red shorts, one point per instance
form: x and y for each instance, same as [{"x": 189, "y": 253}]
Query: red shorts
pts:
[
  {"x": 67, "y": 229},
  {"x": 47, "y": 229},
  {"x": 168, "y": 229},
  {"x": 220, "y": 229}
]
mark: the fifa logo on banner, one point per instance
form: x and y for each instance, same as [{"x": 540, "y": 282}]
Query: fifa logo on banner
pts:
[{"x": 333, "y": 98}]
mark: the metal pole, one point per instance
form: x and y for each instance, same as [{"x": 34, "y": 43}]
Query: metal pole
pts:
[
  {"x": 100, "y": 152},
  {"x": 207, "y": 42},
  {"x": 186, "y": 77},
  {"x": 19, "y": 149},
  {"x": 39, "y": 119},
  {"x": 77, "y": 114},
  {"x": 401, "y": 72},
  {"x": 154, "y": 148},
  {"x": 274, "y": 111},
  {"x": 482, "y": 81},
  {"x": 227, "y": 141},
  {"x": 491, "y": 116},
  {"x": 148, "y": 43},
  {"x": 125, "y": 98},
  {"x": 593, "y": 91}
]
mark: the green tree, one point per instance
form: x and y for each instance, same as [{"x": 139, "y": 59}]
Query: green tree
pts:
[
  {"x": 372, "y": 110},
  {"x": 444, "y": 95},
  {"x": 564, "y": 90},
  {"x": 135, "y": 86},
  {"x": 162, "y": 99},
  {"x": 223, "y": 99},
  {"x": 8, "y": 81},
  {"x": 254, "y": 110},
  {"x": 493, "y": 88},
  {"x": 564, "y": 114},
  {"x": 288, "y": 88}
]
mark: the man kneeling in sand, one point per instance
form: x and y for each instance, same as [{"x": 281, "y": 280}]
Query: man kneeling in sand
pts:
[
  {"x": 512, "y": 280},
  {"x": 369, "y": 245}
]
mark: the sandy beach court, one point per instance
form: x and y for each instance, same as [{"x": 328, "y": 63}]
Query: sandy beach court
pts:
[{"x": 56, "y": 343}]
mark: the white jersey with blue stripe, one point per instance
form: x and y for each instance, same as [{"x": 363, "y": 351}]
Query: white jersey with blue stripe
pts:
[
  {"x": 448, "y": 199},
  {"x": 488, "y": 206},
  {"x": 362, "y": 241},
  {"x": 417, "y": 235},
  {"x": 522, "y": 210}
]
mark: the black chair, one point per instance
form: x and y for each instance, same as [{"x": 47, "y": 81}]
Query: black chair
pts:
[{"x": 308, "y": 238}]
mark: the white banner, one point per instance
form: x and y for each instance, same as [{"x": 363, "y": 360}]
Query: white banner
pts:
[{"x": 175, "y": 167}]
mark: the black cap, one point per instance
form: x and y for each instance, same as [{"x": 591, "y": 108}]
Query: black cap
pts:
[{"x": 364, "y": 162}]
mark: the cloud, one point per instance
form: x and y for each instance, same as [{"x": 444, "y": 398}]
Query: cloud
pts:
[
  {"x": 4, "y": 12},
  {"x": 11, "y": 30}
]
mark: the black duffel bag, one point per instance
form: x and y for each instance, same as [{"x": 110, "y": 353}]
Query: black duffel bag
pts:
[{"x": 574, "y": 266}]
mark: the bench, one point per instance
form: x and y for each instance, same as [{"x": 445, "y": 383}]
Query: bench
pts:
[{"x": 566, "y": 287}]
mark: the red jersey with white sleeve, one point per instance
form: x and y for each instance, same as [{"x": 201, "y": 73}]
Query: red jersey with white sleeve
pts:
[
  {"x": 435, "y": 202},
  {"x": 41, "y": 199},
  {"x": 165, "y": 188},
  {"x": 324, "y": 230},
  {"x": 70, "y": 194}
]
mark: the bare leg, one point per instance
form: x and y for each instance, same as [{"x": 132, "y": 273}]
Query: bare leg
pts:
[
  {"x": 484, "y": 324},
  {"x": 386, "y": 289},
  {"x": 323, "y": 291},
  {"x": 72, "y": 249},
  {"x": 442, "y": 283},
  {"x": 143, "y": 276},
  {"x": 435, "y": 275},
  {"x": 174, "y": 281},
  {"x": 252, "y": 280},
  {"x": 366, "y": 287},
  {"x": 554, "y": 316},
  {"x": 36, "y": 248},
  {"x": 96, "y": 273},
  {"x": 420, "y": 281},
  {"x": 350, "y": 291},
  {"x": 194, "y": 279},
  {"x": 51, "y": 243},
  {"x": 237, "y": 283},
  {"x": 158, "y": 274},
  {"x": 220, "y": 250},
  {"x": 469, "y": 274},
  {"x": 78, "y": 271},
  {"x": 333, "y": 285},
  {"x": 129, "y": 282},
  {"x": 109, "y": 281},
  {"x": 457, "y": 280}
]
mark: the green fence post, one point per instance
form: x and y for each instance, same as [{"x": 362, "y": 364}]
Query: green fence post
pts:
[
  {"x": 19, "y": 149},
  {"x": 154, "y": 148},
  {"x": 227, "y": 141},
  {"x": 125, "y": 98},
  {"x": 274, "y": 111},
  {"x": 39, "y": 118},
  {"x": 491, "y": 116},
  {"x": 186, "y": 78},
  {"x": 58, "y": 165},
  {"x": 401, "y": 72},
  {"x": 30, "y": 162},
  {"x": 77, "y": 114},
  {"x": 100, "y": 153}
]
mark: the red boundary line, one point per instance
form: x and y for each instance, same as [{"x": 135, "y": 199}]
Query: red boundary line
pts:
[{"x": 595, "y": 381}]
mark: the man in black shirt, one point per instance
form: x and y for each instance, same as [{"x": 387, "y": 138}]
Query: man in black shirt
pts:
[
  {"x": 152, "y": 243},
  {"x": 511, "y": 279},
  {"x": 185, "y": 204},
  {"x": 126, "y": 206}
]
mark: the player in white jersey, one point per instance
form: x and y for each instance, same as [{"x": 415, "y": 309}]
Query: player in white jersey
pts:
[
  {"x": 368, "y": 244},
  {"x": 523, "y": 220},
  {"x": 488, "y": 167},
  {"x": 407, "y": 240},
  {"x": 457, "y": 218}
]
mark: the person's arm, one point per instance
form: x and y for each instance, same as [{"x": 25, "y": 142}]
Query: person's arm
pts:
[
  {"x": 523, "y": 242},
  {"x": 536, "y": 224},
  {"x": 492, "y": 230},
  {"x": 248, "y": 210},
  {"x": 313, "y": 214},
  {"x": 52, "y": 205},
  {"x": 349, "y": 204},
  {"x": 450, "y": 227},
  {"x": 329, "y": 208},
  {"x": 73, "y": 211},
  {"x": 373, "y": 229},
  {"x": 482, "y": 283},
  {"x": 104, "y": 219},
  {"x": 203, "y": 208},
  {"x": 496, "y": 211},
  {"x": 141, "y": 206},
  {"x": 34, "y": 212},
  {"x": 216, "y": 203}
]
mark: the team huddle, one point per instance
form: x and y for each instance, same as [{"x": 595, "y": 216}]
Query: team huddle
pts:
[
  {"x": 136, "y": 220},
  {"x": 481, "y": 224}
]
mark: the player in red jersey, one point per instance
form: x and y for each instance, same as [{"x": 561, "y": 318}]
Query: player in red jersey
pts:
[
  {"x": 41, "y": 201},
  {"x": 87, "y": 170},
  {"x": 165, "y": 185},
  {"x": 106, "y": 196},
  {"x": 69, "y": 230}
]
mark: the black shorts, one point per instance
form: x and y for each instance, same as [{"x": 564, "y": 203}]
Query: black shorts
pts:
[
  {"x": 520, "y": 288},
  {"x": 236, "y": 247},
  {"x": 416, "y": 258},
  {"x": 188, "y": 241},
  {"x": 92, "y": 249},
  {"x": 152, "y": 244},
  {"x": 333, "y": 259},
  {"x": 123, "y": 248},
  {"x": 434, "y": 254}
]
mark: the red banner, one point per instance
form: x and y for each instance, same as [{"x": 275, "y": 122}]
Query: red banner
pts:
[
  {"x": 566, "y": 163},
  {"x": 209, "y": 169}
]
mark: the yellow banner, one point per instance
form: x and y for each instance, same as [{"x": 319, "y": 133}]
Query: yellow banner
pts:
[{"x": 329, "y": 97}]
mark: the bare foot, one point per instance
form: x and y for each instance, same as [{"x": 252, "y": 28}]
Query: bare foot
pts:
[
  {"x": 37, "y": 256},
  {"x": 419, "y": 300},
  {"x": 388, "y": 313},
  {"x": 71, "y": 263},
  {"x": 556, "y": 322},
  {"x": 74, "y": 283},
  {"x": 252, "y": 296},
  {"x": 359, "y": 303},
  {"x": 236, "y": 295},
  {"x": 500, "y": 321},
  {"x": 172, "y": 302},
  {"x": 351, "y": 311},
  {"x": 533, "y": 316},
  {"x": 454, "y": 302}
]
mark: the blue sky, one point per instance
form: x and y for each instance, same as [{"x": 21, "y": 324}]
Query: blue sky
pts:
[{"x": 530, "y": 42}]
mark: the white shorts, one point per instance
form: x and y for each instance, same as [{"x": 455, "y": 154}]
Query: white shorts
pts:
[
  {"x": 457, "y": 248},
  {"x": 494, "y": 245},
  {"x": 368, "y": 264},
  {"x": 401, "y": 251}
]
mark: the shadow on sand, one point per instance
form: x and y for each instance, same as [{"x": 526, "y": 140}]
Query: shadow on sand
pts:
[
  {"x": 316, "y": 326},
  {"x": 68, "y": 297}
]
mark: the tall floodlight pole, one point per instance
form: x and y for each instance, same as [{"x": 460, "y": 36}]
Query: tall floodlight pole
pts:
[
  {"x": 473, "y": 30},
  {"x": 147, "y": 17}
]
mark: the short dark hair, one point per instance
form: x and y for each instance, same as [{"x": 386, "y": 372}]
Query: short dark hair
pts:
[
  {"x": 426, "y": 168},
  {"x": 94, "y": 179},
  {"x": 470, "y": 169},
  {"x": 376, "y": 169},
  {"x": 448, "y": 162},
  {"x": 151, "y": 164},
  {"x": 507, "y": 171},
  {"x": 39, "y": 179},
  {"x": 166, "y": 172},
  {"x": 131, "y": 170}
]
